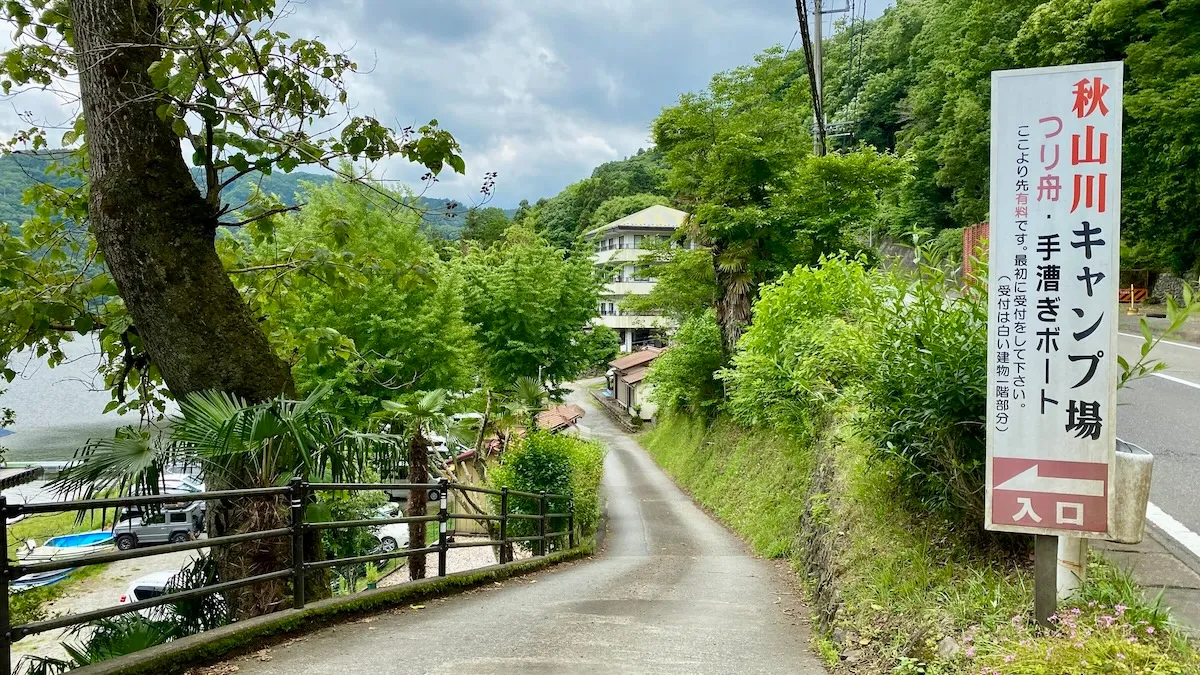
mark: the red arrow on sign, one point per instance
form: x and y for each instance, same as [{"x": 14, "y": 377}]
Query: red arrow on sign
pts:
[{"x": 1030, "y": 480}]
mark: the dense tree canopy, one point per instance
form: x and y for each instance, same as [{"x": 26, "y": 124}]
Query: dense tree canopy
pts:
[
  {"x": 740, "y": 161},
  {"x": 917, "y": 80},
  {"x": 389, "y": 325},
  {"x": 565, "y": 216},
  {"x": 485, "y": 225},
  {"x": 530, "y": 304}
]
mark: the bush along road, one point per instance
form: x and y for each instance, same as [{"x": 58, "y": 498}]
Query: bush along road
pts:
[{"x": 672, "y": 591}]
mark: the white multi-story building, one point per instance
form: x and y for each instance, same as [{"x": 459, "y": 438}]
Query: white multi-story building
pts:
[{"x": 619, "y": 246}]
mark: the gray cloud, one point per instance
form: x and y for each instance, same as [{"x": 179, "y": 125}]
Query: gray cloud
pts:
[{"x": 540, "y": 91}]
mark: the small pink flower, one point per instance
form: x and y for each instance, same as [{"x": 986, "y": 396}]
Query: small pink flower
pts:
[
  {"x": 1120, "y": 609},
  {"x": 1009, "y": 658},
  {"x": 970, "y": 652},
  {"x": 1149, "y": 630}
]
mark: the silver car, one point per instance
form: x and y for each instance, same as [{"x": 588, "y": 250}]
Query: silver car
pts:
[{"x": 173, "y": 525}]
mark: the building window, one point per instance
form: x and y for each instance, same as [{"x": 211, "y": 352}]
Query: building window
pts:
[{"x": 637, "y": 241}]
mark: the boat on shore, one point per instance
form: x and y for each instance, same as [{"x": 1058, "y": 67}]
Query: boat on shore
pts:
[
  {"x": 39, "y": 579},
  {"x": 67, "y": 546}
]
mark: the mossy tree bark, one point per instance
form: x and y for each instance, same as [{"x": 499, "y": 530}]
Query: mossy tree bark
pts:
[{"x": 156, "y": 233}]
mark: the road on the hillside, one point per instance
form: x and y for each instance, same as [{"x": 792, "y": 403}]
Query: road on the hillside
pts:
[
  {"x": 672, "y": 591},
  {"x": 1162, "y": 414}
]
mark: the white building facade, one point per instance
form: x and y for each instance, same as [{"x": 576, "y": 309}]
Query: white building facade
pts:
[{"x": 620, "y": 245}]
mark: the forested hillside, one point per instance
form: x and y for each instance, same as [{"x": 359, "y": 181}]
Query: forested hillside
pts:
[
  {"x": 614, "y": 189},
  {"x": 918, "y": 80},
  {"x": 443, "y": 218}
]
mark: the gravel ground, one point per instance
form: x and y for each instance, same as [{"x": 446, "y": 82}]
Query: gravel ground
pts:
[
  {"x": 96, "y": 592},
  {"x": 457, "y": 560}
]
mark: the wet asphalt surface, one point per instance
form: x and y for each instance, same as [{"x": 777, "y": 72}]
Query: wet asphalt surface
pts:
[{"x": 671, "y": 591}]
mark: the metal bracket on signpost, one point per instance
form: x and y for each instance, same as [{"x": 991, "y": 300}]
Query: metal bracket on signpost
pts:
[{"x": 1045, "y": 578}]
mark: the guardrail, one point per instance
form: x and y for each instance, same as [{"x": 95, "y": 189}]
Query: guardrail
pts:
[{"x": 297, "y": 493}]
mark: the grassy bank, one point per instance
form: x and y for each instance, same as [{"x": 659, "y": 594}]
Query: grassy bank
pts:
[{"x": 912, "y": 594}]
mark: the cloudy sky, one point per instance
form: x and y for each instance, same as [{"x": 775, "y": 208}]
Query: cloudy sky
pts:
[{"x": 540, "y": 91}]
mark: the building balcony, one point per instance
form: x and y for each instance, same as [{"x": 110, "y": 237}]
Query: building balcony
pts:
[
  {"x": 619, "y": 255},
  {"x": 623, "y": 288},
  {"x": 632, "y": 321}
]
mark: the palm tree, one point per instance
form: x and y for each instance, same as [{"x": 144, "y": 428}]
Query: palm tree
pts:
[
  {"x": 418, "y": 418},
  {"x": 237, "y": 445}
]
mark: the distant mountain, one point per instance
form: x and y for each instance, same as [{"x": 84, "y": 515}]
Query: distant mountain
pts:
[{"x": 19, "y": 172}]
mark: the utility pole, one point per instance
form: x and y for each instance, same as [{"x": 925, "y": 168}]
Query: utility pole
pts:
[
  {"x": 818, "y": 60},
  {"x": 816, "y": 66},
  {"x": 814, "y": 81}
]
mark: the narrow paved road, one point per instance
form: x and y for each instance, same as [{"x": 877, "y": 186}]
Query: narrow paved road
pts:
[
  {"x": 1162, "y": 414},
  {"x": 672, "y": 592}
]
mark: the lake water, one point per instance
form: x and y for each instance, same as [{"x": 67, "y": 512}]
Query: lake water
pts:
[{"x": 58, "y": 409}]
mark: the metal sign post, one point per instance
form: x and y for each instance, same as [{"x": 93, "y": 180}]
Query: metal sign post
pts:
[{"x": 1052, "y": 318}]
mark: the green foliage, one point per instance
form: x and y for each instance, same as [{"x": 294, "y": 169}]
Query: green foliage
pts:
[
  {"x": 714, "y": 461},
  {"x": 685, "y": 376},
  {"x": 529, "y": 303},
  {"x": 598, "y": 347},
  {"x": 917, "y": 80},
  {"x": 381, "y": 316},
  {"x": 248, "y": 99},
  {"x": 802, "y": 349},
  {"x": 924, "y": 406},
  {"x": 355, "y": 505},
  {"x": 562, "y": 218},
  {"x": 739, "y": 152},
  {"x": 1177, "y": 318},
  {"x": 619, "y": 207},
  {"x": 485, "y": 226},
  {"x": 553, "y": 463},
  {"x": 686, "y": 287}
]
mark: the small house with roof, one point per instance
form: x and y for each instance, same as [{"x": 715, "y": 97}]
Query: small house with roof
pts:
[{"x": 625, "y": 379}]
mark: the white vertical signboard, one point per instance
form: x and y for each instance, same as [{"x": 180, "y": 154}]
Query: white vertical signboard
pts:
[{"x": 1053, "y": 269}]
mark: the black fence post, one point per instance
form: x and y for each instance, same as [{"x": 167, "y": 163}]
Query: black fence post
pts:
[
  {"x": 443, "y": 519},
  {"x": 504, "y": 525},
  {"x": 571, "y": 524},
  {"x": 297, "y": 497},
  {"x": 542, "y": 526},
  {"x": 5, "y": 626}
]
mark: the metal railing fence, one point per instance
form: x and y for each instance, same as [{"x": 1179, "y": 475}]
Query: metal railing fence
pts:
[{"x": 297, "y": 493}]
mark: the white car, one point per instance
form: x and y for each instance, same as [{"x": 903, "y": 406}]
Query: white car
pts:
[
  {"x": 174, "y": 484},
  {"x": 147, "y": 587},
  {"x": 393, "y": 535}
]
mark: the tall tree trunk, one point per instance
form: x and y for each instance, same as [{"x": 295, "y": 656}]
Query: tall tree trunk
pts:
[
  {"x": 156, "y": 233},
  {"x": 154, "y": 228},
  {"x": 418, "y": 472}
]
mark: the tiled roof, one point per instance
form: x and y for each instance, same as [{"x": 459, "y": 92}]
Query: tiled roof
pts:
[
  {"x": 657, "y": 217},
  {"x": 635, "y": 359},
  {"x": 559, "y": 417},
  {"x": 636, "y": 375}
]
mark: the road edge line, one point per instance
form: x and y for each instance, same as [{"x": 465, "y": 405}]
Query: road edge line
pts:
[
  {"x": 1165, "y": 342},
  {"x": 1174, "y": 529}
]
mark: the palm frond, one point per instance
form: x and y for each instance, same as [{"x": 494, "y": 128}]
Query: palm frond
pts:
[{"x": 131, "y": 459}]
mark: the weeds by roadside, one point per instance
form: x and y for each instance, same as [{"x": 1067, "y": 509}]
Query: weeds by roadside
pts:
[{"x": 915, "y": 593}]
